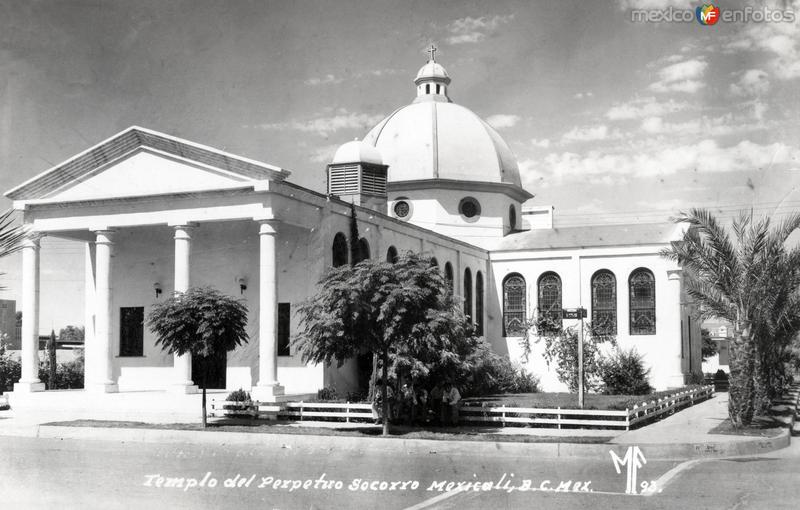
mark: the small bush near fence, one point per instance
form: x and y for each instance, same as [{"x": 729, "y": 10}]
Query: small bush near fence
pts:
[
  {"x": 623, "y": 373},
  {"x": 69, "y": 375}
]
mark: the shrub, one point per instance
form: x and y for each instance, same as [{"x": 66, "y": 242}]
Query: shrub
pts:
[
  {"x": 69, "y": 375},
  {"x": 623, "y": 373},
  {"x": 327, "y": 393},
  {"x": 10, "y": 372},
  {"x": 238, "y": 396},
  {"x": 493, "y": 374}
]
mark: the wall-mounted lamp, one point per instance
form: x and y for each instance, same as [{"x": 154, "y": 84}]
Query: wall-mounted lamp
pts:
[
  {"x": 242, "y": 284},
  {"x": 157, "y": 287}
]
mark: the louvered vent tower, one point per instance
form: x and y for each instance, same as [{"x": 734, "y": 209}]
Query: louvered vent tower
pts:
[{"x": 357, "y": 174}]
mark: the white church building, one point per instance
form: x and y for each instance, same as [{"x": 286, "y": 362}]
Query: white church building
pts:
[{"x": 158, "y": 214}]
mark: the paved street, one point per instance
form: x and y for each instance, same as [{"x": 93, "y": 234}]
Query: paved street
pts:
[{"x": 48, "y": 473}]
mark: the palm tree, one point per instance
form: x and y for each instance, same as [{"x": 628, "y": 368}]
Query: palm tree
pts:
[
  {"x": 751, "y": 281},
  {"x": 11, "y": 235}
]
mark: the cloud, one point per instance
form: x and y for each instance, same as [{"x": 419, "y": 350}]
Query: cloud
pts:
[
  {"x": 472, "y": 30},
  {"x": 779, "y": 41},
  {"x": 324, "y": 80},
  {"x": 645, "y": 107},
  {"x": 328, "y": 124},
  {"x": 503, "y": 120},
  {"x": 708, "y": 126},
  {"x": 681, "y": 77},
  {"x": 655, "y": 4},
  {"x": 611, "y": 168},
  {"x": 544, "y": 143},
  {"x": 324, "y": 154},
  {"x": 590, "y": 133},
  {"x": 581, "y": 95},
  {"x": 753, "y": 82}
]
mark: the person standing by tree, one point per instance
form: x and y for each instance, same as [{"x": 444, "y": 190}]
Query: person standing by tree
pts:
[{"x": 451, "y": 399}]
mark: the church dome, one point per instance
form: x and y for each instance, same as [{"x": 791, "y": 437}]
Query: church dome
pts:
[
  {"x": 357, "y": 152},
  {"x": 434, "y": 138}
]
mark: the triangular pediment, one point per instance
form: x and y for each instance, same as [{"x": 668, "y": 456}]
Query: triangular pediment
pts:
[
  {"x": 145, "y": 173},
  {"x": 140, "y": 162}
]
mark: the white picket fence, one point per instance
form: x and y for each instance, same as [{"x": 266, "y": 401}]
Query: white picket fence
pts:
[
  {"x": 478, "y": 413},
  {"x": 559, "y": 417}
]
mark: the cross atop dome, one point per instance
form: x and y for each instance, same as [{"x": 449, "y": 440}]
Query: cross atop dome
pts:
[
  {"x": 432, "y": 80},
  {"x": 432, "y": 51}
]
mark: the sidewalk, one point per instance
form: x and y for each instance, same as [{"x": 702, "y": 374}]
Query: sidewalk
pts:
[{"x": 683, "y": 435}]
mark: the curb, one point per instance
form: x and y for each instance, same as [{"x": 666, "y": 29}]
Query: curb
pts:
[{"x": 680, "y": 451}]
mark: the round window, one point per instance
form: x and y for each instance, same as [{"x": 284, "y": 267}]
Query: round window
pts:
[
  {"x": 402, "y": 209},
  {"x": 469, "y": 208}
]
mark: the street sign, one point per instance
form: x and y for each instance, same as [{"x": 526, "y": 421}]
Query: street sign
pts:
[{"x": 577, "y": 313}]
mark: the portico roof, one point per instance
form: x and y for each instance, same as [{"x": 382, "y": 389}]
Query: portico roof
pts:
[{"x": 136, "y": 139}]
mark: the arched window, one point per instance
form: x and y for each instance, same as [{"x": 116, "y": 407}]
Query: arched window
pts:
[
  {"x": 448, "y": 274},
  {"x": 479, "y": 303},
  {"x": 434, "y": 262},
  {"x": 550, "y": 298},
  {"x": 391, "y": 255},
  {"x": 642, "y": 302},
  {"x": 512, "y": 217},
  {"x": 363, "y": 250},
  {"x": 468, "y": 293},
  {"x": 339, "y": 250},
  {"x": 514, "y": 316},
  {"x": 604, "y": 302}
]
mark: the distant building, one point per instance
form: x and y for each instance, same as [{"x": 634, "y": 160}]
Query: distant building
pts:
[
  {"x": 8, "y": 322},
  {"x": 721, "y": 333}
]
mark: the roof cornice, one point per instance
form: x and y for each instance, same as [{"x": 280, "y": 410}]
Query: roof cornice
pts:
[{"x": 511, "y": 190}]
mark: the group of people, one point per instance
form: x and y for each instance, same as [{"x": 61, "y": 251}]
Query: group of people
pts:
[{"x": 412, "y": 405}]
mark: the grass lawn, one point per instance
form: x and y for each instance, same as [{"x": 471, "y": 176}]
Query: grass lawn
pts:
[{"x": 463, "y": 433}]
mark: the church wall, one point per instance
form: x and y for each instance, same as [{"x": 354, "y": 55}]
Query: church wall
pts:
[
  {"x": 437, "y": 209},
  {"x": 662, "y": 350}
]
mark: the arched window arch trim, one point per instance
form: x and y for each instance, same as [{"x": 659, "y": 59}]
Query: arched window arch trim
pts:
[
  {"x": 642, "y": 302},
  {"x": 339, "y": 250},
  {"x": 479, "y": 303},
  {"x": 604, "y": 302},
  {"x": 448, "y": 275},
  {"x": 514, "y": 305},
  {"x": 468, "y": 295},
  {"x": 363, "y": 250},
  {"x": 549, "y": 292}
]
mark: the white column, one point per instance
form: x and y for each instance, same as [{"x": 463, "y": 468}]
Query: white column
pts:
[
  {"x": 183, "y": 248},
  {"x": 103, "y": 375},
  {"x": 268, "y": 388},
  {"x": 672, "y": 362},
  {"x": 29, "y": 380},
  {"x": 90, "y": 347}
]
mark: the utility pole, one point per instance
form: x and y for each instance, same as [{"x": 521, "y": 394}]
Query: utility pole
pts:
[{"x": 580, "y": 360}]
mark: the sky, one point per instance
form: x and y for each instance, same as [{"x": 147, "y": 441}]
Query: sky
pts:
[{"x": 611, "y": 120}]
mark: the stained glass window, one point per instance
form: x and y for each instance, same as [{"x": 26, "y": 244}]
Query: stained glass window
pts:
[
  {"x": 643, "y": 302},
  {"x": 550, "y": 298},
  {"x": 604, "y": 303},
  {"x": 514, "y": 305}
]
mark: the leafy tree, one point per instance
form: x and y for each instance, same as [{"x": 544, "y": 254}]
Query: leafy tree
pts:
[
  {"x": 400, "y": 310},
  {"x": 561, "y": 348},
  {"x": 72, "y": 334},
  {"x": 11, "y": 235},
  {"x": 202, "y": 322},
  {"x": 708, "y": 347},
  {"x": 751, "y": 280}
]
